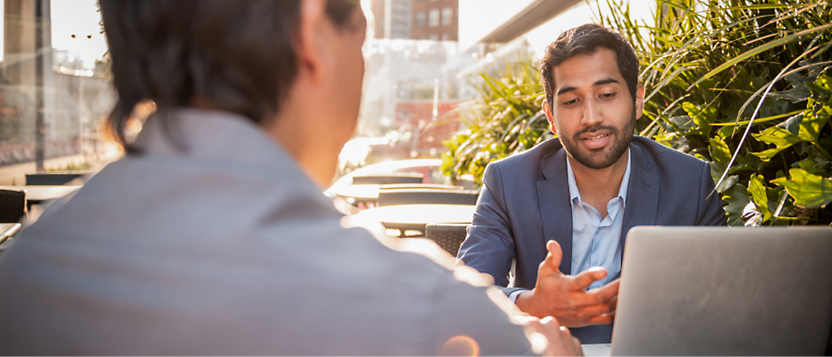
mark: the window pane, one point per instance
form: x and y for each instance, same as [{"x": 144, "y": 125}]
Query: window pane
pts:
[
  {"x": 434, "y": 18},
  {"x": 55, "y": 91},
  {"x": 447, "y": 16},
  {"x": 420, "y": 19}
]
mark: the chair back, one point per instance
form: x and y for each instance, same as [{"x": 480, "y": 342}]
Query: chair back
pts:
[
  {"x": 433, "y": 186},
  {"x": 448, "y": 236},
  {"x": 52, "y": 178},
  {"x": 388, "y": 178},
  {"x": 12, "y": 205},
  {"x": 426, "y": 196}
]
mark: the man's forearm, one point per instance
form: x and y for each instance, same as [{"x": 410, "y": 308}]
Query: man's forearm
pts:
[{"x": 525, "y": 302}]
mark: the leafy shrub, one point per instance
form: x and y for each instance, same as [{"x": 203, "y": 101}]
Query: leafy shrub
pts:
[{"x": 743, "y": 84}]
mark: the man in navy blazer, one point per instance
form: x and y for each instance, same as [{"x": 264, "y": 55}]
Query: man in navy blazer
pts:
[{"x": 577, "y": 196}]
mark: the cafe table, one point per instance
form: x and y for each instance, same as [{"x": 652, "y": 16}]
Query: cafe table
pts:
[
  {"x": 368, "y": 193},
  {"x": 7, "y": 230},
  {"x": 416, "y": 217},
  {"x": 359, "y": 193},
  {"x": 37, "y": 194}
]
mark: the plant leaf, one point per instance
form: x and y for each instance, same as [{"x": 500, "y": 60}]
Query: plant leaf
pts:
[
  {"x": 757, "y": 189},
  {"x": 736, "y": 198},
  {"x": 702, "y": 117},
  {"x": 813, "y": 121},
  {"x": 781, "y": 138},
  {"x": 760, "y": 49},
  {"x": 792, "y": 125},
  {"x": 808, "y": 190}
]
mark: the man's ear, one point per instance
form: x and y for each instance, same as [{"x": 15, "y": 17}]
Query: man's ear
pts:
[
  {"x": 548, "y": 110},
  {"x": 639, "y": 101},
  {"x": 308, "y": 39}
]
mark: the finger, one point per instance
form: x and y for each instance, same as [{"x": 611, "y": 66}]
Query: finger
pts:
[
  {"x": 587, "y": 277},
  {"x": 613, "y": 303},
  {"x": 605, "y": 293},
  {"x": 551, "y": 321},
  {"x": 552, "y": 262},
  {"x": 576, "y": 347},
  {"x": 601, "y": 319},
  {"x": 594, "y": 310},
  {"x": 525, "y": 319}
]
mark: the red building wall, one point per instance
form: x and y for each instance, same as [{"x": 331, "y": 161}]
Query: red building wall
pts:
[{"x": 428, "y": 131}]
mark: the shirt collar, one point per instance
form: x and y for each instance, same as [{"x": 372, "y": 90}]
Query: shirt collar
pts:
[{"x": 573, "y": 187}]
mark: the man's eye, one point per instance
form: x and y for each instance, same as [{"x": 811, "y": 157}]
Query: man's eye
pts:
[
  {"x": 608, "y": 95},
  {"x": 573, "y": 101}
]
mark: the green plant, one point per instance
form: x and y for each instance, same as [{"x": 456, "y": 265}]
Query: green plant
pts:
[
  {"x": 745, "y": 85},
  {"x": 84, "y": 166},
  {"x": 505, "y": 120}
]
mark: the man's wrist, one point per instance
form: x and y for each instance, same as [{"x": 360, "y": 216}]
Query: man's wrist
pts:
[
  {"x": 524, "y": 302},
  {"x": 514, "y": 294}
]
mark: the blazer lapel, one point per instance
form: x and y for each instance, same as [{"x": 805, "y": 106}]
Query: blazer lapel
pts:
[
  {"x": 642, "y": 196},
  {"x": 555, "y": 210}
]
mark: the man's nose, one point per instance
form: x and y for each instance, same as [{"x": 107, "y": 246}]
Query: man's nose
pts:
[{"x": 592, "y": 113}]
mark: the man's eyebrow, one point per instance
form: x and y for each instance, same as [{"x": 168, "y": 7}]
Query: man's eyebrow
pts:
[
  {"x": 598, "y": 83},
  {"x": 606, "y": 81},
  {"x": 566, "y": 90}
]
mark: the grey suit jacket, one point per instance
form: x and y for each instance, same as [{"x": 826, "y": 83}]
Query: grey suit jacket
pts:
[
  {"x": 525, "y": 203},
  {"x": 226, "y": 248}
]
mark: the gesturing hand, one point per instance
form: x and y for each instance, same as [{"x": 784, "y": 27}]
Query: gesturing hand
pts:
[
  {"x": 559, "y": 341},
  {"x": 565, "y": 297}
]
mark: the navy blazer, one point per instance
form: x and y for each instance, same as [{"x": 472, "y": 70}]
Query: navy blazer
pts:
[{"x": 525, "y": 203}]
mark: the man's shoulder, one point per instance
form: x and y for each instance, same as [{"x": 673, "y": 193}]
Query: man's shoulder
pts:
[
  {"x": 534, "y": 157},
  {"x": 661, "y": 156}
]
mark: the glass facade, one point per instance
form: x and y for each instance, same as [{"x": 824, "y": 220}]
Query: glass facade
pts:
[{"x": 52, "y": 104}]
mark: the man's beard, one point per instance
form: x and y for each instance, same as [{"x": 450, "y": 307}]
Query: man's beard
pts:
[{"x": 619, "y": 145}]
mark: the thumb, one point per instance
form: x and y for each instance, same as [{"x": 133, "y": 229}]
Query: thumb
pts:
[{"x": 552, "y": 262}]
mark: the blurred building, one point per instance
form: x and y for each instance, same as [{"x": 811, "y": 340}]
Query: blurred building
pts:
[
  {"x": 408, "y": 96},
  {"x": 435, "y": 20},
  {"x": 391, "y": 18},
  {"x": 432, "y": 123},
  {"x": 494, "y": 33},
  {"x": 49, "y": 105}
]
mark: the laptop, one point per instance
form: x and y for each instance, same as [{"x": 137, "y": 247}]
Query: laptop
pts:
[{"x": 725, "y": 291}]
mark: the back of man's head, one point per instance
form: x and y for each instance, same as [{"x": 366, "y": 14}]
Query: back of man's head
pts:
[
  {"x": 584, "y": 40},
  {"x": 236, "y": 56}
]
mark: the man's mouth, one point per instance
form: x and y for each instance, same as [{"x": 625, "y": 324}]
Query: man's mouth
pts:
[
  {"x": 595, "y": 141},
  {"x": 596, "y": 137}
]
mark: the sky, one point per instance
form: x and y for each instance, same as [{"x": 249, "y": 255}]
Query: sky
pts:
[{"x": 78, "y": 17}]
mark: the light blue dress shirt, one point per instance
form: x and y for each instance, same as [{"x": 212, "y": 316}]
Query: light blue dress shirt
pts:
[{"x": 595, "y": 240}]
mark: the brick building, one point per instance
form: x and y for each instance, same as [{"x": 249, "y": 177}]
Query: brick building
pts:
[{"x": 435, "y": 20}]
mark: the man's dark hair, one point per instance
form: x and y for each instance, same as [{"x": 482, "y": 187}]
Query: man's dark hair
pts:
[
  {"x": 584, "y": 40},
  {"x": 237, "y": 55}
]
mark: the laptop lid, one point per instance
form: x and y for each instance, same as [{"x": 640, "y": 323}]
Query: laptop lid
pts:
[{"x": 725, "y": 291}]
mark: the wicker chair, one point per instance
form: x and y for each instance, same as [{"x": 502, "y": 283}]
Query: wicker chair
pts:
[
  {"x": 12, "y": 205},
  {"x": 412, "y": 186},
  {"x": 446, "y": 235},
  {"x": 388, "y": 178},
  {"x": 57, "y": 178},
  {"x": 426, "y": 196}
]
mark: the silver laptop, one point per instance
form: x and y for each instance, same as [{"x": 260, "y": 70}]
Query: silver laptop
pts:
[{"x": 725, "y": 291}]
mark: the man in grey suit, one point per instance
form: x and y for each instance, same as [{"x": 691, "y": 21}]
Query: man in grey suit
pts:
[
  {"x": 565, "y": 206},
  {"x": 212, "y": 235}
]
